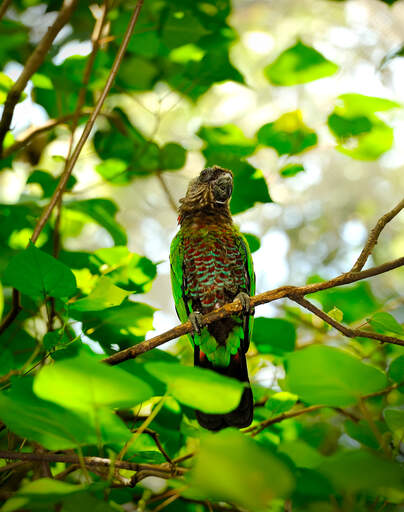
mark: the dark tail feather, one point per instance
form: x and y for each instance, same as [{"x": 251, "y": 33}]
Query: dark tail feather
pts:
[{"x": 243, "y": 414}]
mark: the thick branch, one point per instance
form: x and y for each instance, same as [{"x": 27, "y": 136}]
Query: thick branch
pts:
[
  {"x": 263, "y": 298},
  {"x": 34, "y": 61},
  {"x": 350, "y": 333},
  {"x": 374, "y": 235},
  {"x": 91, "y": 461}
]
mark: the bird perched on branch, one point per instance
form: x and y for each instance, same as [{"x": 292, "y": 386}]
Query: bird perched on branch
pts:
[{"x": 211, "y": 265}]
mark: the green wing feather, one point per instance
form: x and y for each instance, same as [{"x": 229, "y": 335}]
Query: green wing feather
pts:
[
  {"x": 247, "y": 257},
  {"x": 177, "y": 276}
]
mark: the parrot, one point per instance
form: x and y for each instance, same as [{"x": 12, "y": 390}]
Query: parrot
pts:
[{"x": 211, "y": 265}]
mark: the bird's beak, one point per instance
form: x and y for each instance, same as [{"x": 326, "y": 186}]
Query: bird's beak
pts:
[{"x": 223, "y": 188}]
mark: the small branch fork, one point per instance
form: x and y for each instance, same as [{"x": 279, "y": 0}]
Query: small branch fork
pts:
[{"x": 295, "y": 293}]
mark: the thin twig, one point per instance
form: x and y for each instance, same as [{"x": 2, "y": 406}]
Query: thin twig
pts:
[
  {"x": 167, "y": 192},
  {"x": 33, "y": 131},
  {"x": 156, "y": 438},
  {"x": 293, "y": 292},
  {"x": 374, "y": 235},
  {"x": 89, "y": 461},
  {"x": 34, "y": 61},
  {"x": 3, "y": 7},
  {"x": 256, "y": 429},
  {"x": 13, "y": 313},
  {"x": 346, "y": 331}
]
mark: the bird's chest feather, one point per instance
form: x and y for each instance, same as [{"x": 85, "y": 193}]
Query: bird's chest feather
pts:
[{"x": 214, "y": 268}]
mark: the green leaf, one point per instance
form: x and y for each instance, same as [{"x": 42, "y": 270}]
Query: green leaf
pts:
[
  {"x": 361, "y": 432},
  {"x": 360, "y": 470},
  {"x": 48, "y": 183},
  {"x": 101, "y": 211},
  {"x": 280, "y": 402},
  {"x": 274, "y": 335},
  {"x": 5, "y": 85},
  {"x": 228, "y": 138},
  {"x": 36, "y": 273},
  {"x": 1, "y": 300},
  {"x": 232, "y": 467},
  {"x": 114, "y": 170},
  {"x": 299, "y": 64},
  {"x": 384, "y": 322},
  {"x": 288, "y": 135},
  {"x": 46, "y": 423},
  {"x": 290, "y": 170},
  {"x": 40, "y": 494},
  {"x": 336, "y": 314},
  {"x": 105, "y": 295},
  {"x": 254, "y": 243},
  {"x": 123, "y": 325},
  {"x": 396, "y": 369},
  {"x": 172, "y": 157},
  {"x": 250, "y": 187},
  {"x": 199, "y": 388},
  {"x": 394, "y": 417},
  {"x": 354, "y": 301},
  {"x": 92, "y": 384},
  {"x": 360, "y": 132},
  {"x": 302, "y": 454},
  {"x": 141, "y": 79},
  {"x": 181, "y": 27},
  {"x": 126, "y": 269},
  {"x": 329, "y": 376}
]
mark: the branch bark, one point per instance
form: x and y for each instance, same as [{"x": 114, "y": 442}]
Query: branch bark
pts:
[
  {"x": 292, "y": 292},
  {"x": 374, "y": 235},
  {"x": 3, "y": 7},
  {"x": 34, "y": 61},
  {"x": 165, "y": 468},
  {"x": 346, "y": 331}
]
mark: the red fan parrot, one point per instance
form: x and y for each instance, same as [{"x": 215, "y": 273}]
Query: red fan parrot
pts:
[{"x": 211, "y": 265}]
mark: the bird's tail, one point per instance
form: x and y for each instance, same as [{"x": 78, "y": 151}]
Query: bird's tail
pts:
[{"x": 242, "y": 415}]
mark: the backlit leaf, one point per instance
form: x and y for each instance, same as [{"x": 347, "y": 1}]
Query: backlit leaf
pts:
[
  {"x": 299, "y": 64},
  {"x": 197, "y": 387},
  {"x": 274, "y": 335},
  {"x": 36, "y": 273},
  {"x": 230, "y": 466},
  {"x": 329, "y": 376},
  {"x": 105, "y": 295}
]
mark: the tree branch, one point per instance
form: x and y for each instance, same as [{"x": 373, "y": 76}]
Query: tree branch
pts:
[
  {"x": 34, "y": 61},
  {"x": 292, "y": 292},
  {"x": 167, "y": 192},
  {"x": 374, "y": 235},
  {"x": 350, "y": 333},
  {"x": 3, "y": 7},
  {"x": 165, "y": 468},
  {"x": 256, "y": 429}
]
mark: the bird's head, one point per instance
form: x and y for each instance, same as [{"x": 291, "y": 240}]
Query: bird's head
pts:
[{"x": 211, "y": 190}]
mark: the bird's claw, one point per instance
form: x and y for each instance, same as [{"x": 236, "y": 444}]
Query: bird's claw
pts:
[
  {"x": 196, "y": 320},
  {"x": 245, "y": 300}
]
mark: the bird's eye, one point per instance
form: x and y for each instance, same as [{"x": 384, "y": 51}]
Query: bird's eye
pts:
[{"x": 204, "y": 176}]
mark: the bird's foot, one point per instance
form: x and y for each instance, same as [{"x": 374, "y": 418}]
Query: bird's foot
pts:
[
  {"x": 245, "y": 300},
  {"x": 196, "y": 320}
]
